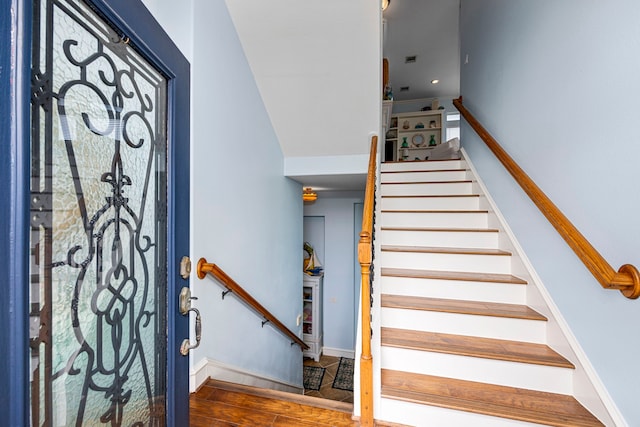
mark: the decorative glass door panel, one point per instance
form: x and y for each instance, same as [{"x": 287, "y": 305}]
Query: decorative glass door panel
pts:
[{"x": 98, "y": 225}]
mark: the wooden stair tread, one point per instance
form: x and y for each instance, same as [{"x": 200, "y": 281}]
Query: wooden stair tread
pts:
[
  {"x": 444, "y": 250},
  {"x": 427, "y": 171},
  {"x": 435, "y": 229},
  {"x": 426, "y": 196},
  {"x": 462, "y": 181},
  {"x": 488, "y": 348},
  {"x": 433, "y": 211},
  {"x": 219, "y": 400},
  {"x": 453, "y": 275},
  {"x": 421, "y": 161},
  {"x": 500, "y": 401},
  {"x": 478, "y": 308}
]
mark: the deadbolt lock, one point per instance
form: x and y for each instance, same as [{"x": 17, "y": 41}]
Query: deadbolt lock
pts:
[{"x": 185, "y": 267}]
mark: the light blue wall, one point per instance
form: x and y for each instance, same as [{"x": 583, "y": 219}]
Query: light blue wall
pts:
[
  {"x": 557, "y": 84},
  {"x": 247, "y": 217},
  {"x": 338, "y": 304}
]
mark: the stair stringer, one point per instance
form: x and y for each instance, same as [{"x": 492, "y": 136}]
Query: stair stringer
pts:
[{"x": 588, "y": 389}]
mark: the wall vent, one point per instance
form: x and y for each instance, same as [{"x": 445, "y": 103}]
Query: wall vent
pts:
[
  {"x": 404, "y": 89},
  {"x": 409, "y": 59}
]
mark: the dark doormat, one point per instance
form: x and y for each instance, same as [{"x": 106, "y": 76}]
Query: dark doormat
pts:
[
  {"x": 312, "y": 377},
  {"x": 344, "y": 376}
]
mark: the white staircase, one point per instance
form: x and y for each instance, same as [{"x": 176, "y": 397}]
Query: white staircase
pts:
[{"x": 458, "y": 344}]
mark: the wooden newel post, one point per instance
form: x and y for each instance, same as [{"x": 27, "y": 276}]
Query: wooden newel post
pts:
[{"x": 366, "y": 366}]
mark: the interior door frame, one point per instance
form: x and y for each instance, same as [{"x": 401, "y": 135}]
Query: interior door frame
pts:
[{"x": 148, "y": 37}]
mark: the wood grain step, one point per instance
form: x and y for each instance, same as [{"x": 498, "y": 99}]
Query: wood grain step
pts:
[
  {"x": 445, "y": 230},
  {"x": 452, "y": 275},
  {"x": 462, "y": 181},
  {"x": 477, "y": 308},
  {"x": 421, "y": 171},
  {"x": 488, "y": 348},
  {"x": 430, "y": 211},
  {"x": 500, "y": 401},
  {"x": 444, "y": 250},
  {"x": 233, "y": 404}
]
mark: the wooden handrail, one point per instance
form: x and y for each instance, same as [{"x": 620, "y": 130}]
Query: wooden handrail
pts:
[
  {"x": 626, "y": 279},
  {"x": 365, "y": 258},
  {"x": 204, "y": 267}
]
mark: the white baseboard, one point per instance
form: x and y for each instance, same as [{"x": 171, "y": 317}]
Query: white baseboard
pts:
[
  {"x": 338, "y": 352},
  {"x": 207, "y": 368}
]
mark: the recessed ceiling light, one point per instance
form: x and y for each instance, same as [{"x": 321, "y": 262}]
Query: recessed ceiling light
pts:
[{"x": 435, "y": 81}]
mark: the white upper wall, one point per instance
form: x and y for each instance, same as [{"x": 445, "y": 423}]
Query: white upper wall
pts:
[{"x": 317, "y": 64}]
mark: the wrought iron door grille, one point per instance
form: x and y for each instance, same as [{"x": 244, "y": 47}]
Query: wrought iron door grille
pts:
[{"x": 98, "y": 224}]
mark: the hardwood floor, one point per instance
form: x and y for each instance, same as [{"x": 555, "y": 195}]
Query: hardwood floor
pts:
[{"x": 218, "y": 404}]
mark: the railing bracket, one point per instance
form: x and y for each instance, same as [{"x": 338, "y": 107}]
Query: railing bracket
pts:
[{"x": 230, "y": 285}]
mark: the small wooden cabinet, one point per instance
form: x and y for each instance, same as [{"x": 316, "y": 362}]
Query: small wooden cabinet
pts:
[
  {"x": 412, "y": 135},
  {"x": 312, "y": 315}
]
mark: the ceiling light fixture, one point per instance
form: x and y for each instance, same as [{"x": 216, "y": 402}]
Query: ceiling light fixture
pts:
[
  {"x": 435, "y": 81},
  {"x": 308, "y": 195}
]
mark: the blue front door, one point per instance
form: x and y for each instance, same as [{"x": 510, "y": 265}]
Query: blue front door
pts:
[{"x": 96, "y": 217}]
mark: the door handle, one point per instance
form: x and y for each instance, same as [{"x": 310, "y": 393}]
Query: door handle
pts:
[{"x": 185, "y": 308}]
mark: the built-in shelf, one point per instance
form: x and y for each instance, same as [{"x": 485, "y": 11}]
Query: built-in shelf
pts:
[{"x": 312, "y": 315}]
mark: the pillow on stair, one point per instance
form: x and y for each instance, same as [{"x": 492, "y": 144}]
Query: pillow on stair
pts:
[{"x": 446, "y": 150}]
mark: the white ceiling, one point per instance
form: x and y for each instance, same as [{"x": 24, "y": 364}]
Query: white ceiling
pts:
[{"x": 429, "y": 30}]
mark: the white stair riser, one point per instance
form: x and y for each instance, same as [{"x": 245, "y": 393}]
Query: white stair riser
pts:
[
  {"x": 500, "y": 264},
  {"x": 431, "y": 203},
  {"x": 434, "y": 219},
  {"x": 453, "y": 175},
  {"x": 464, "y": 324},
  {"x": 549, "y": 379},
  {"x": 441, "y": 239},
  {"x": 411, "y": 414},
  {"x": 418, "y": 166},
  {"x": 447, "y": 188},
  {"x": 454, "y": 289}
]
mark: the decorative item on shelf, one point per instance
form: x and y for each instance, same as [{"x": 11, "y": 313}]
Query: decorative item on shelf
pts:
[
  {"x": 388, "y": 93},
  {"x": 417, "y": 158},
  {"x": 308, "y": 195},
  {"x": 419, "y": 125},
  {"x": 394, "y": 122},
  {"x": 405, "y": 153},
  {"x": 418, "y": 140},
  {"x": 406, "y": 124},
  {"x": 405, "y": 144},
  {"x": 432, "y": 141},
  {"x": 432, "y": 124},
  {"x": 312, "y": 265},
  {"x": 435, "y": 104}
]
